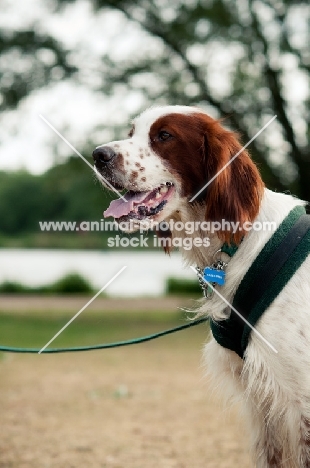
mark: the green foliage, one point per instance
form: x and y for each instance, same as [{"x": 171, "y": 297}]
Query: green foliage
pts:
[
  {"x": 9, "y": 287},
  {"x": 72, "y": 192},
  {"x": 21, "y": 202},
  {"x": 69, "y": 284},
  {"x": 184, "y": 287},
  {"x": 67, "y": 192}
]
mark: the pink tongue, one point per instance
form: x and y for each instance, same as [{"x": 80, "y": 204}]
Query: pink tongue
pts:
[{"x": 120, "y": 207}]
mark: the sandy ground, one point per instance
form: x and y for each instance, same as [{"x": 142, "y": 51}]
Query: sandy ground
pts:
[{"x": 145, "y": 406}]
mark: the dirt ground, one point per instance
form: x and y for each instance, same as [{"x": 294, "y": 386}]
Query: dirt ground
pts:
[
  {"x": 21, "y": 304},
  {"x": 145, "y": 406}
]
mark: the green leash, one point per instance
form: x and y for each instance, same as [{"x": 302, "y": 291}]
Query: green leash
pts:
[{"x": 117, "y": 344}]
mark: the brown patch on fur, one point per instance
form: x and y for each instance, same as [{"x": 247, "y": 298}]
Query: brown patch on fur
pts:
[
  {"x": 143, "y": 179},
  {"x": 275, "y": 459},
  {"x": 137, "y": 164},
  {"x": 132, "y": 131},
  {"x": 305, "y": 431},
  {"x": 199, "y": 148},
  {"x": 164, "y": 240},
  {"x": 142, "y": 169},
  {"x": 305, "y": 441}
]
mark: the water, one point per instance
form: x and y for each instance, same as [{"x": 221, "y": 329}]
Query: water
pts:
[{"x": 145, "y": 275}]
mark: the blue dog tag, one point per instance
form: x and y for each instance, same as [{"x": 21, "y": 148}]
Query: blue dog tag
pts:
[{"x": 214, "y": 276}]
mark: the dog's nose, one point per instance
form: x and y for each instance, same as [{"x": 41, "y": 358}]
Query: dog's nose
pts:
[{"x": 103, "y": 154}]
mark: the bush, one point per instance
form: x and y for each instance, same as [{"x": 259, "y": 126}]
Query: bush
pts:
[
  {"x": 69, "y": 284},
  {"x": 183, "y": 286},
  {"x": 9, "y": 287}
]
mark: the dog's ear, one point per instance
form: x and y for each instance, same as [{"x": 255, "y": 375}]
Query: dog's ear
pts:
[{"x": 235, "y": 193}]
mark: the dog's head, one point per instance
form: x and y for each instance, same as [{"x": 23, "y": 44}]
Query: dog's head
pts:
[{"x": 170, "y": 154}]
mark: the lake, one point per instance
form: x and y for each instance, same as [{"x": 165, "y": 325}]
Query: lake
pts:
[{"x": 145, "y": 275}]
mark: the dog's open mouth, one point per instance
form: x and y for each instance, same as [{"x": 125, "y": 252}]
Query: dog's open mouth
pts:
[{"x": 140, "y": 205}]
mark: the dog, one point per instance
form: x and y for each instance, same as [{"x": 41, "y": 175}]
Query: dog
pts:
[{"x": 170, "y": 154}]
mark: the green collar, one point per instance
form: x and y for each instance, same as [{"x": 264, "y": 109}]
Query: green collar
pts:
[
  {"x": 229, "y": 249},
  {"x": 277, "y": 262}
]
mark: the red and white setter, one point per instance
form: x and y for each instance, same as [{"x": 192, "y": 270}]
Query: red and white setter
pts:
[{"x": 170, "y": 154}]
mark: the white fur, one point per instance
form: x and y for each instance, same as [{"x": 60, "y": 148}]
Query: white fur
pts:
[
  {"x": 274, "y": 389},
  {"x": 144, "y": 121}
]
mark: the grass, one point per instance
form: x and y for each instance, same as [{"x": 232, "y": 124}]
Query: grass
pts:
[{"x": 36, "y": 329}]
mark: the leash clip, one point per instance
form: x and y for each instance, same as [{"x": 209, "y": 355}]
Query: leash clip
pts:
[{"x": 207, "y": 291}]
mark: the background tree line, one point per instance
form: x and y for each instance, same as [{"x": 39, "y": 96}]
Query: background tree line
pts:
[{"x": 66, "y": 192}]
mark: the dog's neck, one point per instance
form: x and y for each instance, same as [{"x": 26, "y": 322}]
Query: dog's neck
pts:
[
  {"x": 192, "y": 217},
  {"x": 274, "y": 208}
]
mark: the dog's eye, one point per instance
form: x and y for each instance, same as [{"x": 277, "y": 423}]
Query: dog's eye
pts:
[{"x": 164, "y": 136}]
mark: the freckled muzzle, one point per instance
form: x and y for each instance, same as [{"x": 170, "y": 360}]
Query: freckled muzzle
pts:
[{"x": 148, "y": 190}]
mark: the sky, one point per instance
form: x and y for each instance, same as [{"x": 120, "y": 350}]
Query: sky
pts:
[{"x": 75, "y": 110}]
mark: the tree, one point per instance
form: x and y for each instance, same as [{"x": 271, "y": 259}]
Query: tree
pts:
[
  {"x": 235, "y": 59},
  {"x": 42, "y": 59}
]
